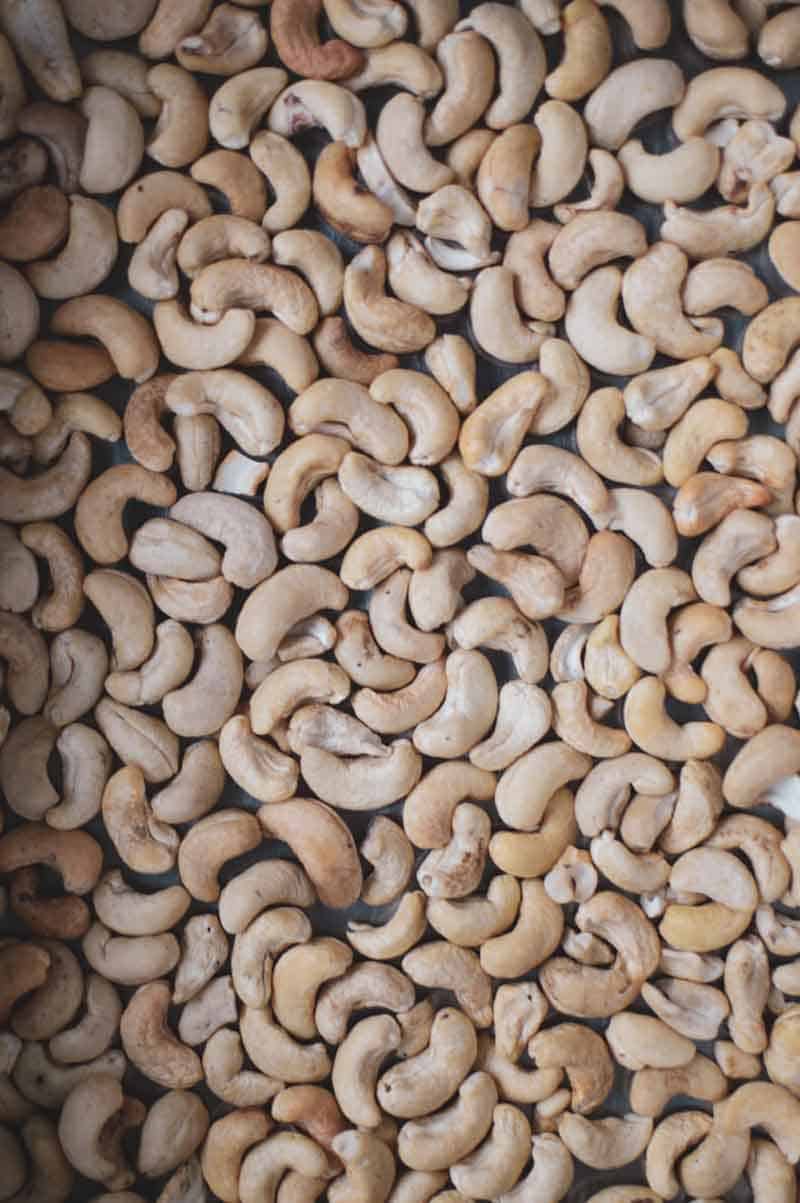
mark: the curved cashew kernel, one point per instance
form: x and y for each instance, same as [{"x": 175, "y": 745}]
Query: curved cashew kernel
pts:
[
  {"x": 454, "y": 968},
  {"x": 768, "y": 1105},
  {"x": 463, "y": 57},
  {"x": 591, "y": 240},
  {"x": 151, "y": 1045},
  {"x": 492, "y": 434},
  {"x": 630, "y": 93},
  {"x": 323, "y": 845},
  {"x": 587, "y": 52},
  {"x": 726, "y": 92},
  {"x": 296, "y": 980},
  {"x": 440, "y": 1140},
  {"x": 383, "y": 322},
  {"x": 594, "y": 331},
  {"x": 395, "y": 937},
  {"x": 681, "y": 175}
]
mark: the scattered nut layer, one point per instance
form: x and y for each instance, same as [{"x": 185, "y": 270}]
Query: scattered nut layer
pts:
[{"x": 553, "y": 714}]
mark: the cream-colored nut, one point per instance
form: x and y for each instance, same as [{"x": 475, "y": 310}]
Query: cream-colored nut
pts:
[
  {"x": 129, "y": 913},
  {"x": 401, "y": 710},
  {"x": 323, "y": 845},
  {"x": 547, "y": 524},
  {"x": 492, "y": 435},
  {"x": 638, "y": 1041},
  {"x": 695, "y": 434},
  {"x": 591, "y": 240},
  {"x": 458, "y": 969},
  {"x": 462, "y": 56},
  {"x": 539, "y": 296},
  {"x": 645, "y": 609},
  {"x": 426, "y": 1081},
  {"x": 605, "y": 1143},
  {"x": 511, "y": 340},
  {"x": 605, "y": 792},
  {"x": 255, "y": 948},
  {"x": 716, "y": 30},
  {"x": 74, "y": 411},
  {"x": 98, "y": 515},
  {"x": 607, "y": 667},
  {"x": 223, "y": 1059},
  {"x": 656, "y": 732},
  {"x": 362, "y": 659},
  {"x": 357, "y": 1064},
  {"x": 454, "y": 214},
  {"x": 456, "y": 870},
  {"x": 312, "y": 102},
  {"x": 573, "y": 722},
  {"x": 380, "y": 320},
  {"x": 602, "y": 448},
  {"x": 583, "y": 1055},
  {"x": 596, "y": 595},
  {"x": 589, "y": 991},
  {"x": 465, "y": 510},
  {"x": 344, "y": 204},
  {"x": 366, "y": 985},
  {"x": 656, "y": 400},
  {"x": 287, "y": 597},
  {"x": 630, "y": 93},
  {"x": 174, "y": 1128},
  {"x": 394, "y": 937},
  {"x": 767, "y": 759},
  {"x": 715, "y": 874},
  {"x": 320, "y": 726},
  {"x": 86, "y": 258},
  {"x": 346, "y": 409},
  {"x": 720, "y": 231},
  {"x": 197, "y": 346},
  {"x": 223, "y": 236},
  {"x": 145, "y": 844},
  {"x": 239, "y": 179},
  {"x": 151, "y": 1045},
  {"x": 760, "y": 842},
  {"x": 726, "y": 92},
  {"x": 504, "y": 174},
  {"x": 438, "y": 1141},
  {"x": 607, "y": 187},
  {"x": 263, "y": 885},
  {"x": 705, "y": 499},
  {"x": 532, "y": 854},
  {"x": 523, "y": 718},
  {"x": 289, "y": 686},
  {"x": 535, "y": 935},
  {"x": 232, "y": 40},
  {"x": 469, "y": 922},
  {"x": 362, "y": 782},
  {"x": 562, "y": 159},
  {"x": 275, "y": 1053},
  {"x": 673, "y": 1137},
  {"x": 733, "y": 383},
  {"x": 593, "y": 329},
  {"x": 681, "y": 175},
  {"x": 389, "y": 851},
  {"x": 747, "y": 984},
  {"x": 404, "y": 496},
  {"x": 228, "y": 1140},
  {"x": 181, "y": 131},
  {"x": 287, "y": 174},
  {"x": 535, "y": 584},
  {"x": 401, "y": 63},
  {"x": 520, "y": 57},
  {"x": 209, "y": 844},
  {"x": 467, "y": 712},
  {"x": 587, "y": 52},
  {"x": 651, "y": 294},
  {"x": 129, "y": 960},
  {"x": 369, "y": 1168},
  {"x": 114, "y": 144},
  {"x": 139, "y": 739},
  {"x": 92, "y": 1035},
  {"x": 380, "y": 182},
  {"x": 88, "y": 1110},
  {"x": 716, "y": 283},
  {"x": 767, "y": 1105},
  {"x": 204, "y": 951},
  {"x": 166, "y": 669}
]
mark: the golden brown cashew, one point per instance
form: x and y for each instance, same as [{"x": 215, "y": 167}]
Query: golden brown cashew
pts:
[
  {"x": 209, "y": 844},
  {"x": 98, "y": 514}
]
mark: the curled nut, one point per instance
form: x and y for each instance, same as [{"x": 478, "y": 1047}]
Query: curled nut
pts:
[{"x": 150, "y": 1044}]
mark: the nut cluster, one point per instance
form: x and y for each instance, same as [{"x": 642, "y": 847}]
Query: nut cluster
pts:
[{"x": 358, "y": 578}]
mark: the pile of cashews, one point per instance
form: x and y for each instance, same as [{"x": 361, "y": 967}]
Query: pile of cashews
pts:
[{"x": 392, "y": 591}]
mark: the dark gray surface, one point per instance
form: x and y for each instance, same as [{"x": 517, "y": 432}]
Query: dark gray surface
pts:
[{"x": 657, "y": 136}]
